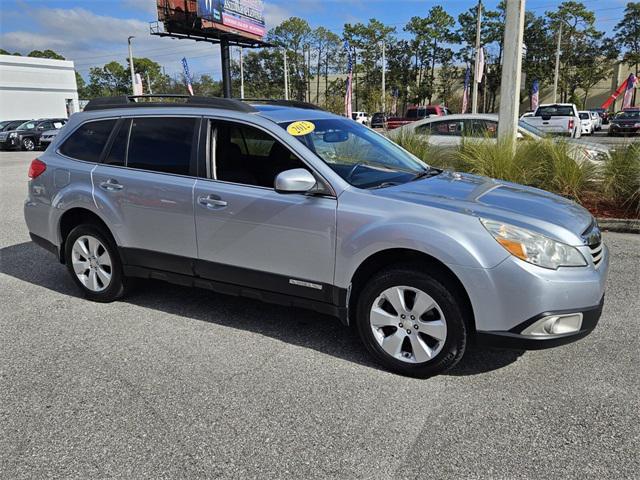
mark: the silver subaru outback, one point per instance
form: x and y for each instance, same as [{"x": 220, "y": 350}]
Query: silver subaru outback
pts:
[{"x": 284, "y": 202}]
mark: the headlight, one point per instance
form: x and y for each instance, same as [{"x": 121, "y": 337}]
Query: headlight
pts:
[
  {"x": 13, "y": 135},
  {"x": 533, "y": 247}
]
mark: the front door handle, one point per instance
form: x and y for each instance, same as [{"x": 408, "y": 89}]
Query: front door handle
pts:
[
  {"x": 111, "y": 185},
  {"x": 211, "y": 201}
]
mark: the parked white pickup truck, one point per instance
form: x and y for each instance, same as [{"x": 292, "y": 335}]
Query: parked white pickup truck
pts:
[{"x": 557, "y": 119}]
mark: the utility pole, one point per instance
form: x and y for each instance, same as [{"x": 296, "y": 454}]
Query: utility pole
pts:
[
  {"x": 226, "y": 67},
  {"x": 149, "y": 84},
  {"x": 241, "y": 75},
  {"x": 286, "y": 76},
  {"x": 474, "y": 101},
  {"x": 384, "y": 89},
  {"x": 511, "y": 72},
  {"x": 133, "y": 74},
  {"x": 355, "y": 73},
  {"x": 557, "y": 71}
]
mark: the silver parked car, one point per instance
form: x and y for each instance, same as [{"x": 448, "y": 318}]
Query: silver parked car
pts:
[{"x": 287, "y": 203}]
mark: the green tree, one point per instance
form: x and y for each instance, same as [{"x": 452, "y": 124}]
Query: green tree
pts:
[
  {"x": 628, "y": 34},
  {"x": 578, "y": 28},
  {"x": 45, "y": 54},
  {"x": 366, "y": 42},
  {"x": 294, "y": 35}
]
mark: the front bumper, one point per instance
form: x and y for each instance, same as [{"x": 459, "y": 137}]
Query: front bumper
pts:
[
  {"x": 9, "y": 143},
  {"x": 623, "y": 130},
  {"x": 515, "y": 339},
  {"x": 507, "y": 298}
]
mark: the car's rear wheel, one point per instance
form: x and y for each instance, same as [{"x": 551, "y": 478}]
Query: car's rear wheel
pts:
[
  {"x": 28, "y": 144},
  {"x": 94, "y": 264},
  {"x": 412, "y": 322}
]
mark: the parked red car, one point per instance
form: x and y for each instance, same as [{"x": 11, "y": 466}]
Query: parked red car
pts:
[{"x": 417, "y": 113}]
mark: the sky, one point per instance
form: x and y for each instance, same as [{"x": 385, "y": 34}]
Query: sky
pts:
[{"x": 94, "y": 32}]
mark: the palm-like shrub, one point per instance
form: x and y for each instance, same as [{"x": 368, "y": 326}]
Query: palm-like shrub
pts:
[{"x": 621, "y": 177}]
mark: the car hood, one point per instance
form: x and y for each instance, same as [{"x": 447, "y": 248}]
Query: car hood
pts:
[{"x": 532, "y": 208}]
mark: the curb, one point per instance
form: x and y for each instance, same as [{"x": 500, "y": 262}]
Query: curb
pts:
[{"x": 619, "y": 225}]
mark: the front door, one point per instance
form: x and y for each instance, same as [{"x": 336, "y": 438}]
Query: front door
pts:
[{"x": 248, "y": 234}]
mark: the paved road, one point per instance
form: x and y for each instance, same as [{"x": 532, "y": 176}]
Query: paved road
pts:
[{"x": 177, "y": 383}]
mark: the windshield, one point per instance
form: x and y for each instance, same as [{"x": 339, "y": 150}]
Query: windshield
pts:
[
  {"x": 27, "y": 126},
  {"x": 635, "y": 115},
  {"x": 555, "y": 111},
  {"x": 360, "y": 156},
  {"x": 531, "y": 129}
]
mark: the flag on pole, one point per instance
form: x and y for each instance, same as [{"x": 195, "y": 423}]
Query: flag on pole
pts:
[
  {"x": 347, "y": 95},
  {"x": 187, "y": 75},
  {"x": 465, "y": 95},
  {"x": 480, "y": 65},
  {"x": 535, "y": 95},
  {"x": 628, "y": 93},
  {"x": 137, "y": 86}
]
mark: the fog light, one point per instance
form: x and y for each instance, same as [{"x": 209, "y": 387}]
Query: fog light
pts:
[{"x": 555, "y": 325}]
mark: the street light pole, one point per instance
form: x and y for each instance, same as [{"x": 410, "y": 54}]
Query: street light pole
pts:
[
  {"x": 286, "y": 75},
  {"x": 557, "y": 70},
  {"x": 241, "y": 75},
  {"x": 474, "y": 101},
  {"x": 511, "y": 72},
  {"x": 384, "y": 89},
  {"x": 133, "y": 74}
]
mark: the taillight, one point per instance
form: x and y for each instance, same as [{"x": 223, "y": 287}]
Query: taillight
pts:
[
  {"x": 571, "y": 124},
  {"x": 36, "y": 168}
]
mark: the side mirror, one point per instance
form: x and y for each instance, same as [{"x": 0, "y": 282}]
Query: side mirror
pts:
[
  {"x": 297, "y": 180},
  {"x": 519, "y": 136}
]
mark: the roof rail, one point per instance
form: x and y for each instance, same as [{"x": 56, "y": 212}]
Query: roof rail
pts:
[
  {"x": 283, "y": 103},
  {"x": 128, "y": 101}
]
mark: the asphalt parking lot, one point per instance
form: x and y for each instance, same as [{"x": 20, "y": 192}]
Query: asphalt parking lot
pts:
[{"x": 179, "y": 383}]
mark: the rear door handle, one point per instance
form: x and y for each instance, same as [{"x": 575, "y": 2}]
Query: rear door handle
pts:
[
  {"x": 111, "y": 185},
  {"x": 211, "y": 201}
]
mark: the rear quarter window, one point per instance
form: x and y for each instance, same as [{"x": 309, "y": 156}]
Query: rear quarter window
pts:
[{"x": 88, "y": 141}]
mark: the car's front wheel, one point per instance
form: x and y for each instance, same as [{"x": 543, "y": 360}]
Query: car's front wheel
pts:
[
  {"x": 412, "y": 322},
  {"x": 94, "y": 264},
  {"x": 28, "y": 144}
]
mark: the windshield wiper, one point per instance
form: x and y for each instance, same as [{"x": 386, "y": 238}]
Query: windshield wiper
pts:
[
  {"x": 383, "y": 185},
  {"x": 430, "y": 172}
]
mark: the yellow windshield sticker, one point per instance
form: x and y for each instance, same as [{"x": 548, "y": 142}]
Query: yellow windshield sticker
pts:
[{"x": 298, "y": 129}]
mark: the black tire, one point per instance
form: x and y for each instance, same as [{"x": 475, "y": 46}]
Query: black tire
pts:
[
  {"x": 28, "y": 144},
  {"x": 444, "y": 295},
  {"x": 118, "y": 285}
]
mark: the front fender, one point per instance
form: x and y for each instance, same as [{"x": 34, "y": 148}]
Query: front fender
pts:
[{"x": 453, "y": 238}]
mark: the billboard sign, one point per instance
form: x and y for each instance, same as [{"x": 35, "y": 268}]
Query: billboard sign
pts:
[{"x": 242, "y": 15}]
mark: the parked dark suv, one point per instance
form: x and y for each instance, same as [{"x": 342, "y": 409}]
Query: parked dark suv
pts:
[{"x": 27, "y": 135}]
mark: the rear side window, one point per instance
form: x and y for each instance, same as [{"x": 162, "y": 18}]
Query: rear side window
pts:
[
  {"x": 88, "y": 141},
  {"x": 161, "y": 144}
]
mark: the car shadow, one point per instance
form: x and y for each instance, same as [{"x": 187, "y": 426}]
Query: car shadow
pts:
[{"x": 325, "y": 334}]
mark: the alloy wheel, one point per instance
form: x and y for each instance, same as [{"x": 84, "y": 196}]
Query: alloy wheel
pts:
[
  {"x": 408, "y": 324},
  {"x": 28, "y": 144},
  {"x": 91, "y": 263}
]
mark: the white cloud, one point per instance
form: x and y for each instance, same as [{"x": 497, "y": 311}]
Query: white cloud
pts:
[
  {"x": 90, "y": 40},
  {"x": 274, "y": 15}
]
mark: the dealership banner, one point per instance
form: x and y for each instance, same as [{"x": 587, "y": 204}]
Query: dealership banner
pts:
[{"x": 244, "y": 15}]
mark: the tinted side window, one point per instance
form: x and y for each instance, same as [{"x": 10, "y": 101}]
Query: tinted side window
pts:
[
  {"x": 88, "y": 141},
  {"x": 250, "y": 156},
  {"x": 118, "y": 153},
  {"x": 161, "y": 144}
]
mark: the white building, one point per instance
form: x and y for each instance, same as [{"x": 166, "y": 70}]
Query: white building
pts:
[{"x": 36, "y": 88}]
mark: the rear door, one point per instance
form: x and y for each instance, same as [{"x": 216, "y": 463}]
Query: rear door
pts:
[
  {"x": 144, "y": 187},
  {"x": 251, "y": 235}
]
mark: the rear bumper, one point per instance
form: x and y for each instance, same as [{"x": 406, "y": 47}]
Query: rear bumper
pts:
[{"x": 516, "y": 340}]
